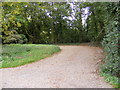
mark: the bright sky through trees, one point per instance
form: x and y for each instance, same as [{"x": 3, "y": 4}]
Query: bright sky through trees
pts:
[{"x": 84, "y": 13}]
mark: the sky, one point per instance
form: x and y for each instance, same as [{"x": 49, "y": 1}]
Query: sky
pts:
[{"x": 84, "y": 15}]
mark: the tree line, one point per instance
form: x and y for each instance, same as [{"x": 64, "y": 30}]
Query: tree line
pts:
[{"x": 50, "y": 22}]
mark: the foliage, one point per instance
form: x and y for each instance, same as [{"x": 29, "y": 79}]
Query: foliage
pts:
[
  {"x": 19, "y": 54},
  {"x": 43, "y": 22},
  {"x": 96, "y": 22},
  {"x": 114, "y": 81},
  {"x": 110, "y": 42},
  {"x": 12, "y": 20},
  {"x": 15, "y": 38}
]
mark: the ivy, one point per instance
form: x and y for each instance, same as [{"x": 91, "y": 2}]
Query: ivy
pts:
[{"x": 110, "y": 41}]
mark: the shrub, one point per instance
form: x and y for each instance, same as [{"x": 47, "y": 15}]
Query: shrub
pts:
[
  {"x": 110, "y": 41},
  {"x": 15, "y": 38}
]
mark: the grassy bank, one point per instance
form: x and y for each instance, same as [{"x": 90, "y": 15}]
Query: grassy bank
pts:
[
  {"x": 114, "y": 81},
  {"x": 20, "y": 54}
]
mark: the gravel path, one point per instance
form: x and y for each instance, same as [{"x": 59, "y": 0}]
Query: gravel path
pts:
[{"x": 73, "y": 67}]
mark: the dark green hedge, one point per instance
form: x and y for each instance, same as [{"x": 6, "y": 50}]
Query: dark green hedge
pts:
[{"x": 111, "y": 40}]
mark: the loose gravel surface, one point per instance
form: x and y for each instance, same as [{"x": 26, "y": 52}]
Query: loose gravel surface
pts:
[{"x": 73, "y": 67}]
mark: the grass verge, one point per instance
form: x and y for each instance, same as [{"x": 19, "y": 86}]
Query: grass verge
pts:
[
  {"x": 114, "y": 81},
  {"x": 94, "y": 44},
  {"x": 20, "y": 54},
  {"x": 68, "y": 44}
]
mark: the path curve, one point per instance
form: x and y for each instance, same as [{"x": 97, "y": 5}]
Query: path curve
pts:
[{"x": 73, "y": 67}]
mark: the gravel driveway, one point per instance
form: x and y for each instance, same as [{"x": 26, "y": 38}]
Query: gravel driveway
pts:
[{"x": 73, "y": 67}]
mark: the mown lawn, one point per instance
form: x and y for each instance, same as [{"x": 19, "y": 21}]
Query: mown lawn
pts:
[{"x": 20, "y": 54}]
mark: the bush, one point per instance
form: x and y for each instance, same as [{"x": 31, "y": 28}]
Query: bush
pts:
[
  {"x": 110, "y": 42},
  {"x": 15, "y": 38}
]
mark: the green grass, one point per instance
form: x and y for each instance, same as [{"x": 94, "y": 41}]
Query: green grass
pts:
[
  {"x": 68, "y": 44},
  {"x": 20, "y": 54},
  {"x": 114, "y": 81},
  {"x": 96, "y": 44}
]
